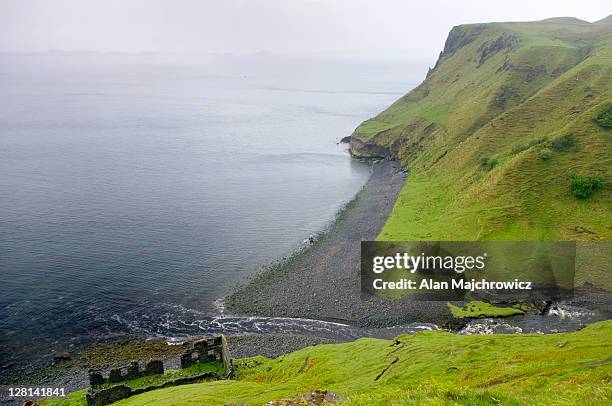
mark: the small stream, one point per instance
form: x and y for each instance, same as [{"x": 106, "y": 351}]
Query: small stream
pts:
[{"x": 558, "y": 317}]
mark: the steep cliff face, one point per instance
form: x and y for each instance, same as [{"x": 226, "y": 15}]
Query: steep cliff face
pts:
[{"x": 477, "y": 133}]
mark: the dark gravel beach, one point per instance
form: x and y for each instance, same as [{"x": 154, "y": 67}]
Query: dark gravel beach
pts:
[{"x": 322, "y": 281}]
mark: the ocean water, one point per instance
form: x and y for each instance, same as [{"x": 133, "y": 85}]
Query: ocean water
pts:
[{"x": 136, "y": 190}]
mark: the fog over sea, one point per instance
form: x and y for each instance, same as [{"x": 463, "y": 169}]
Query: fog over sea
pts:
[{"x": 136, "y": 190}]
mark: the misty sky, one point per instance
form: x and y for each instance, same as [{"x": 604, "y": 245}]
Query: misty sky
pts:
[{"x": 369, "y": 28}]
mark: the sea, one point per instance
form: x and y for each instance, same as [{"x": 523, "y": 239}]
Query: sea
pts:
[{"x": 136, "y": 190}]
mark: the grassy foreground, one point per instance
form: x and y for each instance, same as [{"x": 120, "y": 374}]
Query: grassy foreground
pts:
[{"x": 431, "y": 367}]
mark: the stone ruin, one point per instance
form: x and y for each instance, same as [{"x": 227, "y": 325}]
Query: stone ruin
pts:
[
  {"x": 209, "y": 350},
  {"x": 133, "y": 371},
  {"x": 200, "y": 351}
]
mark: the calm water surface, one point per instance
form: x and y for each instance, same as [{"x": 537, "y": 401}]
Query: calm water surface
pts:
[{"x": 136, "y": 190}]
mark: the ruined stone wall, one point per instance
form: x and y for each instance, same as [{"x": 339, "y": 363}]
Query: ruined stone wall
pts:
[
  {"x": 205, "y": 350},
  {"x": 209, "y": 350},
  {"x": 133, "y": 371},
  {"x": 201, "y": 351},
  {"x": 228, "y": 362}
]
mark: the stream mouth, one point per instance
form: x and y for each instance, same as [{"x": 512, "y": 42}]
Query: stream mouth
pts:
[
  {"x": 559, "y": 317},
  {"x": 177, "y": 324}
]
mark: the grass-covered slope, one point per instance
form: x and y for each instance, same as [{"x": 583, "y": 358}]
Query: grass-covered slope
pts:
[
  {"x": 426, "y": 368},
  {"x": 494, "y": 132}
]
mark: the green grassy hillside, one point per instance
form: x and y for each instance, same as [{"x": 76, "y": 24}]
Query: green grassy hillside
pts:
[
  {"x": 426, "y": 368},
  {"x": 494, "y": 132}
]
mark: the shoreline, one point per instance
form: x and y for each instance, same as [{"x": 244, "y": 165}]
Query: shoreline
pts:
[{"x": 322, "y": 281}]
